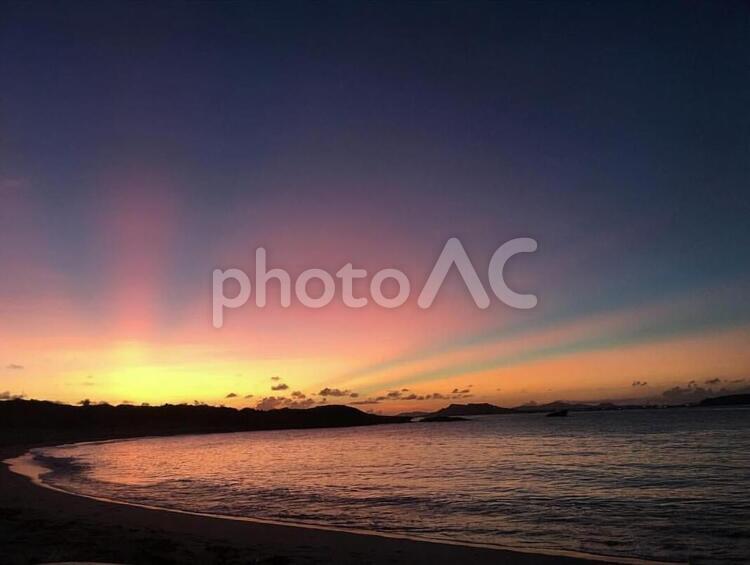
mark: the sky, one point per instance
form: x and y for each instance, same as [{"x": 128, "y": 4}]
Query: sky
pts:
[{"x": 143, "y": 145}]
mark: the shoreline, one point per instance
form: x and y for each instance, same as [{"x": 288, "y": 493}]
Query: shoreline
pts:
[{"x": 163, "y": 535}]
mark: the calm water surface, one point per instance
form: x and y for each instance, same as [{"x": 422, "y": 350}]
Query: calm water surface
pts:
[{"x": 663, "y": 484}]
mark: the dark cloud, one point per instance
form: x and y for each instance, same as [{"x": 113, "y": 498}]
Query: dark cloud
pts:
[
  {"x": 231, "y": 395},
  {"x": 6, "y": 395},
  {"x": 248, "y": 396},
  {"x": 270, "y": 402},
  {"x": 713, "y": 381},
  {"x": 399, "y": 395},
  {"x": 275, "y": 378},
  {"x": 639, "y": 383},
  {"x": 297, "y": 394},
  {"x": 15, "y": 367},
  {"x": 334, "y": 392},
  {"x": 365, "y": 402},
  {"x": 273, "y": 402},
  {"x": 691, "y": 393},
  {"x": 280, "y": 386},
  {"x": 396, "y": 395},
  {"x": 306, "y": 403}
]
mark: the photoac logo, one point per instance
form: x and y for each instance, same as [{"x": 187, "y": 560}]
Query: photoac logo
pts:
[{"x": 453, "y": 254}]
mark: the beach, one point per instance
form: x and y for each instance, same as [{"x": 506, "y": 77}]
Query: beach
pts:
[{"x": 39, "y": 525}]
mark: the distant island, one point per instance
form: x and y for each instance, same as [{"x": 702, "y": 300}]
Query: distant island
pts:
[
  {"x": 471, "y": 410},
  {"x": 559, "y": 406},
  {"x": 728, "y": 400},
  {"x": 443, "y": 419}
]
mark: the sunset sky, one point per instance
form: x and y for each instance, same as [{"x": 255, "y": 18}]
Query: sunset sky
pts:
[{"x": 143, "y": 146}]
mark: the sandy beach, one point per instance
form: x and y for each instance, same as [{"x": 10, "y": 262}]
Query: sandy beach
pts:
[{"x": 40, "y": 525}]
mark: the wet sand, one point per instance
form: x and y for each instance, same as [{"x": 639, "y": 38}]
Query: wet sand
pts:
[{"x": 40, "y": 525}]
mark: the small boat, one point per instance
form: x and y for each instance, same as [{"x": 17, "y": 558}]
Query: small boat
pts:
[{"x": 558, "y": 414}]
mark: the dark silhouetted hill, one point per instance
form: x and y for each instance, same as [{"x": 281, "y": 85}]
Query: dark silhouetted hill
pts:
[
  {"x": 32, "y": 421},
  {"x": 471, "y": 410},
  {"x": 558, "y": 405},
  {"x": 728, "y": 400}
]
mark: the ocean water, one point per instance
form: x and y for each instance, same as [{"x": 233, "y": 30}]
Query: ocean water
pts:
[{"x": 669, "y": 484}]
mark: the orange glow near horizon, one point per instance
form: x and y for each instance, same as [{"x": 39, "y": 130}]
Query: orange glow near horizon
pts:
[{"x": 128, "y": 332}]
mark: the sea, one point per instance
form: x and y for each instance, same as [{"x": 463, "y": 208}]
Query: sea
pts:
[{"x": 660, "y": 484}]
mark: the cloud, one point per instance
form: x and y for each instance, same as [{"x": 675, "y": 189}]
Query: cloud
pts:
[
  {"x": 334, "y": 392},
  {"x": 231, "y": 395},
  {"x": 393, "y": 395},
  {"x": 398, "y": 395},
  {"x": 365, "y": 402},
  {"x": 248, "y": 396},
  {"x": 299, "y": 395},
  {"x": 274, "y": 402},
  {"x": 275, "y": 378},
  {"x": 691, "y": 393},
  {"x": 713, "y": 381},
  {"x": 269, "y": 403},
  {"x": 15, "y": 367},
  {"x": 306, "y": 403},
  {"x": 639, "y": 384},
  {"x": 280, "y": 386},
  {"x": 354, "y": 395}
]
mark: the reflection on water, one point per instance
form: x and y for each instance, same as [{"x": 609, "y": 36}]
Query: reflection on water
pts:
[{"x": 664, "y": 484}]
